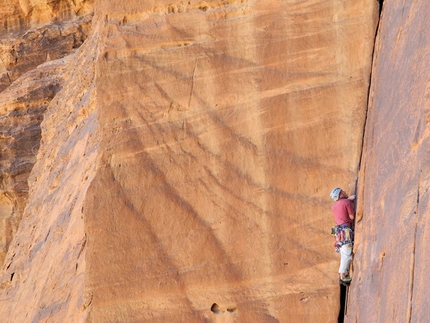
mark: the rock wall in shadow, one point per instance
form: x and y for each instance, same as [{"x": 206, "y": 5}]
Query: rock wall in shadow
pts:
[{"x": 36, "y": 39}]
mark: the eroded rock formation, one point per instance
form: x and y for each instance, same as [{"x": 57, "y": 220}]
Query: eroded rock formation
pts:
[
  {"x": 33, "y": 32},
  {"x": 23, "y": 105},
  {"x": 38, "y": 31},
  {"x": 184, "y": 166},
  {"x": 45, "y": 266}
]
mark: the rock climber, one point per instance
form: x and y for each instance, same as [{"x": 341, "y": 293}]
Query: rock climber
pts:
[{"x": 343, "y": 212}]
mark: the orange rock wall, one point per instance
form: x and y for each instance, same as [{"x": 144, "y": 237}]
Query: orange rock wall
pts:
[
  {"x": 224, "y": 125},
  {"x": 390, "y": 283},
  {"x": 187, "y": 161}
]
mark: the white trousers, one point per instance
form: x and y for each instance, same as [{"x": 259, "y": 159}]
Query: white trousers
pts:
[{"x": 345, "y": 258}]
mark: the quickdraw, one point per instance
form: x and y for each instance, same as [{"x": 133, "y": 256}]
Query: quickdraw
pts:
[{"x": 342, "y": 235}]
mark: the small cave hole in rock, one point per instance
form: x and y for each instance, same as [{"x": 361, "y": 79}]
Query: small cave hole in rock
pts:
[
  {"x": 216, "y": 309},
  {"x": 231, "y": 309},
  {"x": 11, "y": 276}
]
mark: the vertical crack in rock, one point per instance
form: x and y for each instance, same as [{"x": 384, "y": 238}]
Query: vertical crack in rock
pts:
[
  {"x": 359, "y": 184},
  {"x": 381, "y": 2},
  {"x": 411, "y": 277},
  {"x": 412, "y": 272},
  {"x": 192, "y": 84},
  {"x": 369, "y": 88},
  {"x": 343, "y": 298}
]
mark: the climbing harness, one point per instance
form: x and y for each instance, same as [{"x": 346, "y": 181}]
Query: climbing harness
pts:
[{"x": 343, "y": 234}]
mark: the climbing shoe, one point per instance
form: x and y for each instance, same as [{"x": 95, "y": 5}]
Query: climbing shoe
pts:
[{"x": 345, "y": 281}]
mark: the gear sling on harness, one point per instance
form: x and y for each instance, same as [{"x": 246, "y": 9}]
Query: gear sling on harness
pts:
[{"x": 343, "y": 234}]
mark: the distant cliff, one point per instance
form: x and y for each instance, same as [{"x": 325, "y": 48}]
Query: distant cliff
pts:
[{"x": 182, "y": 169}]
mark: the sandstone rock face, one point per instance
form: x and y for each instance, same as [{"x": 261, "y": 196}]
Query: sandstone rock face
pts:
[
  {"x": 39, "y": 31},
  {"x": 224, "y": 125},
  {"x": 23, "y": 105},
  {"x": 31, "y": 35},
  {"x": 392, "y": 244},
  {"x": 19, "y": 15},
  {"x": 185, "y": 165},
  {"x": 45, "y": 265}
]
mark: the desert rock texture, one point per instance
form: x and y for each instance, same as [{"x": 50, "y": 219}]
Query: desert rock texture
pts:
[
  {"x": 33, "y": 66},
  {"x": 182, "y": 169},
  {"x": 36, "y": 31},
  {"x": 23, "y": 105},
  {"x": 392, "y": 244}
]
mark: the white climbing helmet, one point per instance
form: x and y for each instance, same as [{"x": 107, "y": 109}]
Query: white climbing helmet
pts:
[{"x": 335, "y": 193}]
